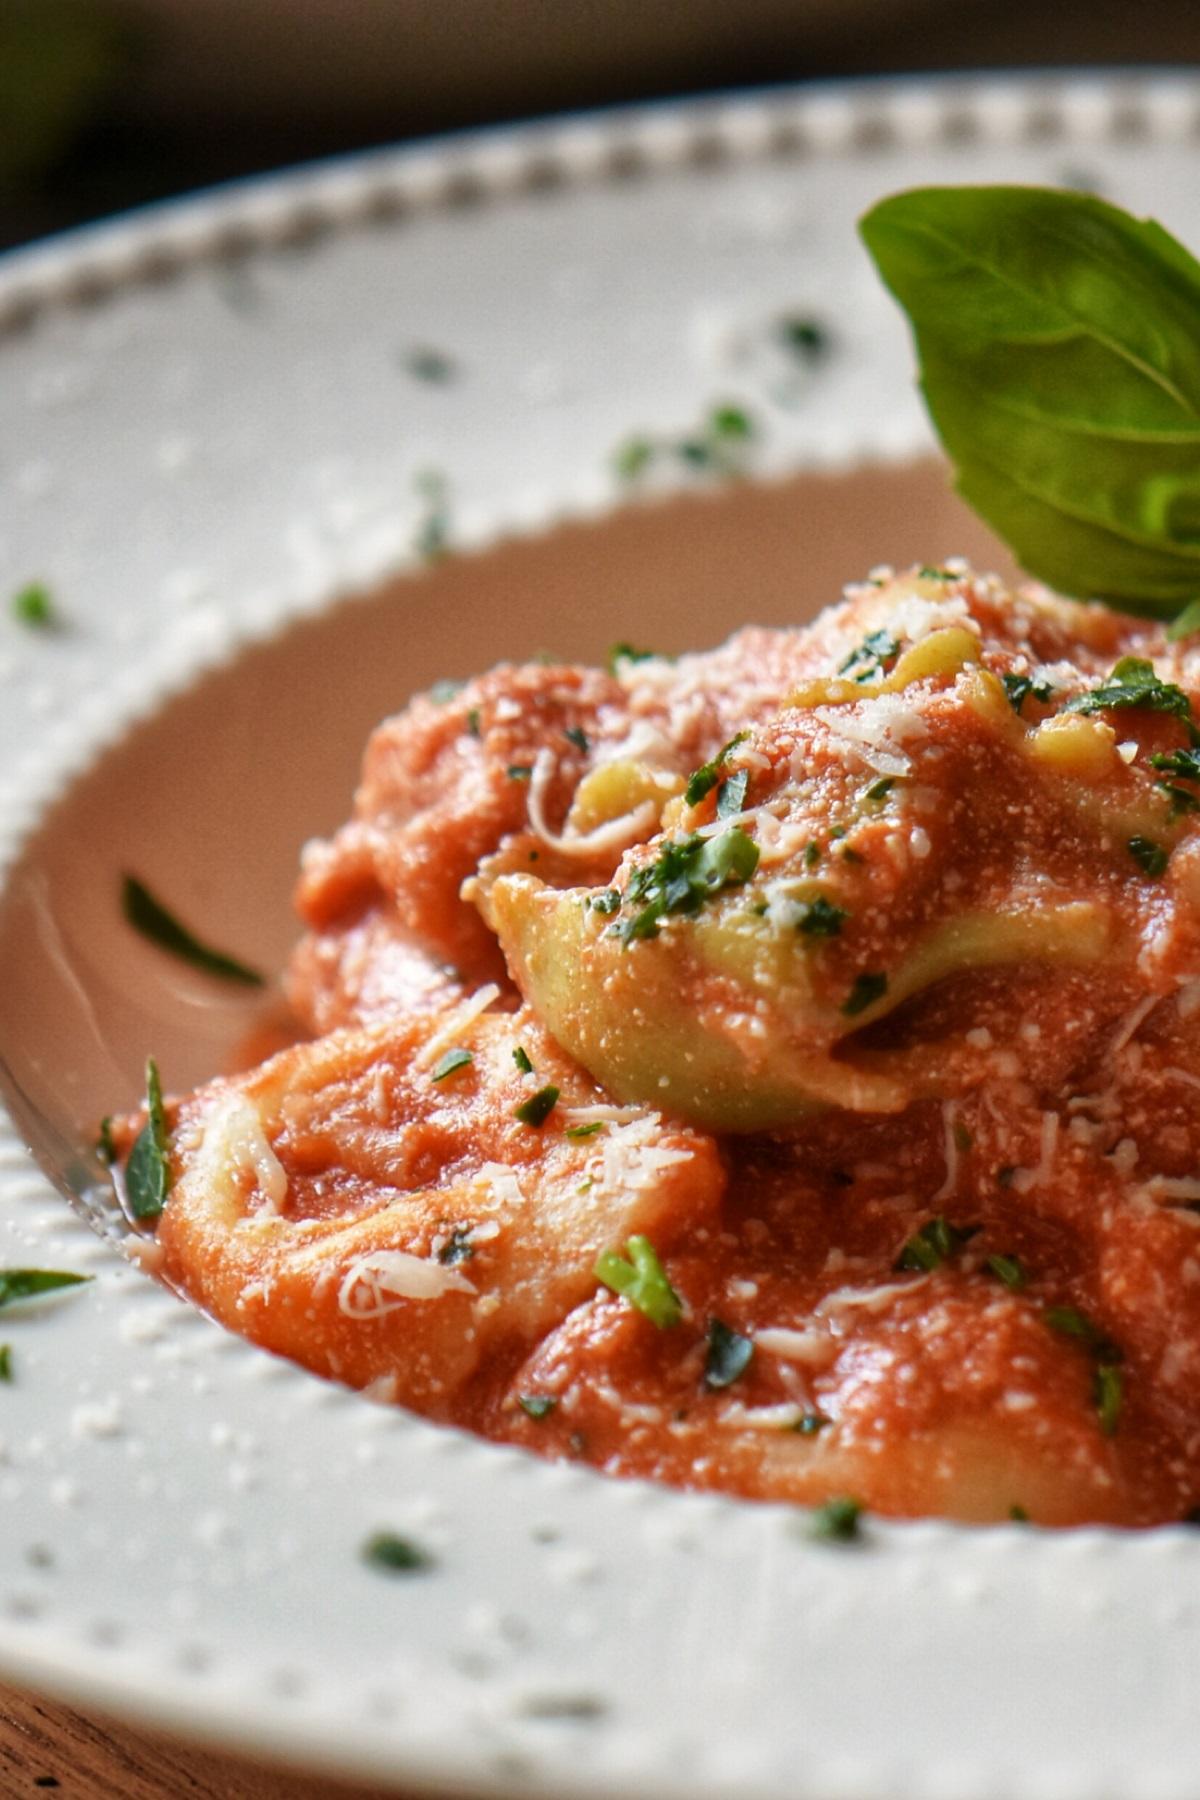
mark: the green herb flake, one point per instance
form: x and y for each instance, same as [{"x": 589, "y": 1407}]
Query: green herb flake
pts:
[
  {"x": 1008, "y": 1270},
  {"x": 820, "y": 918},
  {"x": 625, "y": 653},
  {"x": 1184, "y": 763},
  {"x": 808, "y": 1424},
  {"x": 1150, "y": 857},
  {"x": 1184, "y": 624},
  {"x": 934, "y": 1244},
  {"x": 537, "y": 1109},
  {"x": 838, "y": 1521},
  {"x": 927, "y": 572},
  {"x": 431, "y": 366},
  {"x": 32, "y": 606},
  {"x": 805, "y": 338},
  {"x": 28, "y": 1284},
  {"x": 687, "y": 872},
  {"x": 575, "y": 734},
  {"x": 731, "y": 799},
  {"x": 1019, "y": 687},
  {"x": 431, "y": 539},
  {"x": 730, "y": 422},
  {"x": 150, "y": 918},
  {"x": 521, "y": 1058},
  {"x": 879, "y": 790},
  {"x": 963, "y": 1141},
  {"x": 458, "y": 1247},
  {"x": 728, "y": 1355},
  {"x": 873, "y": 657},
  {"x": 705, "y": 778},
  {"x": 640, "y": 1279},
  {"x": 519, "y": 771},
  {"x": 106, "y": 1148},
  {"x": 578, "y": 1132},
  {"x": 1178, "y": 799},
  {"x": 6, "y": 1368},
  {"x": 148, "y": 1170},
  {"x": 473, "y": 723},
  {"x": 1072, "y": 1323},
  {"x": 867, "y": 989},
  {"x": 537, "y": 1406},
  {"x": 812, "y": 854},
  {"x": 633, "y": 458},
  {"x": 395, "y": 1555},
  {"x": 1109, "y": 1395},
  {"x": 448, "y": 1064},
  {"x": 1133, "y": 684},
  {"x": 1018, "y": 1515},
  {"x": 607, "y": 902}
]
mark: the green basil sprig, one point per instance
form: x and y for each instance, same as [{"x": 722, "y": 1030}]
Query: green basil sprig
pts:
[
  {"x": 148, "y": 1171},
  {"x": 1059, "y": 348}
]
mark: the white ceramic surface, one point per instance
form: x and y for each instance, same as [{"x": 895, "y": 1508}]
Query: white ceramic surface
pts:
[{"x": 203, "y": 433}]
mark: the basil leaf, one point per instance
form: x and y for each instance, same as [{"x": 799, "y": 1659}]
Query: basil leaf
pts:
[
  {"x": 26, "y": 1284},
  {"x": 1060, "y": 363},
  {"x": 449, "y": 1063},
  {"x": 838, "y": 1520},
  {"x": 537, "y": 1109},
  {"x": 151, "y": 918},
  {"x": 395, "y": 1555},
  {"x": 148, "y": 1171}
]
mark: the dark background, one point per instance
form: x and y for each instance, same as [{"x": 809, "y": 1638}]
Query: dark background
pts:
[{"x": 108, "y": 103}]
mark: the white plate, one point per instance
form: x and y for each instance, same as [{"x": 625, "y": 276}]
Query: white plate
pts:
[{"x": 205, "y": 433}]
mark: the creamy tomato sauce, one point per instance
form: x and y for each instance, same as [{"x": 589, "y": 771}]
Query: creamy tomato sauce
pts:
[{"x": 772, "y": 1070}]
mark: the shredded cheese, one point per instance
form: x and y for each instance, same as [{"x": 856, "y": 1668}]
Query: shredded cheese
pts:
[{"x": 383, "y": 1280}]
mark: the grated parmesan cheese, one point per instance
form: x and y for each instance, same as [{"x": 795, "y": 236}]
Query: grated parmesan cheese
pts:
[{"x": 382, "y": 1280}]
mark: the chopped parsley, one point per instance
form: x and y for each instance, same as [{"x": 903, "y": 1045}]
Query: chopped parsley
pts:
[
  {"x": 148, "y": 1171},
  {"x": 6, "y": 1371},
  {"x": 32, "y": 606},
  {"x": 607, "y": 902},
  {"x": 537, "y": 1109},
  {"x": 874, "y": 656},
  {"x": 395, "y": 1555},
  {"x": 1008, "y": 1270},
  {"x": 1184, "y": 763},
  {"x": 106, "y": 1148},
  {"x": 1073, "y": 1323},
  {"x": 706, "y": 777},
  {"x": 434, "y": 367},
  {"x": 458, "y": 1247},
  {"x": 731, "y": 798},
  {"x": 473, "y": 725},
  {"x": 687, "y": 872},
  {"x": 1019, "y": 687},
  {"x": 640, "y": 1278},
  {"x": 1150, "y": 857},
  {"x": 1108, "y": 1391},
  {"x": 519, "y": 771},
  {"x": 879, "y": 790},
  {"x": 1178, "y": 799},
  {"x": 806, "y": 340},
  {"x": 820, "y": 918},
  {"x": 812, "y": 854},
  {"x": 1184, "y": 623},
  {"x": 625, "y": 653},
  {"x": 934, "y": 1244},
  {"x": 575, "y": 734},
  {"x": 1133, "y": 683},
  {"x": 633, "y": 458},
  {"x": 719, "y": 444},
  {"x": 1018, "y": 1515},
  {"x": 728, "y": 1355},
  {"x": 838, "y": 1520},
  {"x": 586, "y": 1131},
  {"x": 151, "y": 919},
  {"x": 450, "y": 1062},
  {"x": 809, "y": 1423},
  {"x": 537, "y": 1406},
  {"x": 521, "y": 1058},
  {"x": 867, "y": 989},
  {"x": 27, "y": 1284}
]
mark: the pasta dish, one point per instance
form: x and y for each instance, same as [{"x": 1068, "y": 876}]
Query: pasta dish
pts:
[{"x": 772, "y": 1069}]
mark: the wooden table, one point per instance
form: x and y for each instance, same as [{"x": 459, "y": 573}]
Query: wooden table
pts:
[{"x": 46, "y": 1748}]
